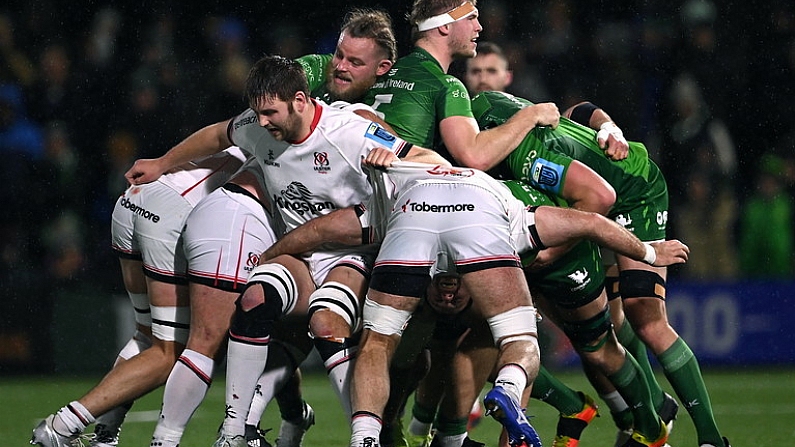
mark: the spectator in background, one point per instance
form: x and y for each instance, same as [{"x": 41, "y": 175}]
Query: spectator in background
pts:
[
  {"x": 54, "y": 95},
  {"x": 700, "y": 161},
  {"x": 766, "y": 239},
  {"x": 15, "y": 66}
]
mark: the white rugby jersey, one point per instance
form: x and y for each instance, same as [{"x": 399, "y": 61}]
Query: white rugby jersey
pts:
[
  {"x": 390, "y": 188},
  {"x": 196, "y": 179},
  {"x": 321, "y": 173}
]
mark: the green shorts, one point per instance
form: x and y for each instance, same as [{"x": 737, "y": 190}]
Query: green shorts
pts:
[
  {"x": 574, "y": 280},
  {"x": 646, "y": 215}
]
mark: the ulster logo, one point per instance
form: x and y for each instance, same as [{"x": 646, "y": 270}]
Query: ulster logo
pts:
[{"x": 321, "y": 162}]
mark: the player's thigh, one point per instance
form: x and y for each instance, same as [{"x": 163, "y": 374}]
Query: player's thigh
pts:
[
  {"x": 167, "y": 294},
  {"x": 132, "y": 274},
  {"x": 211, "y": 314},
  {"x": 497, "y": 290}
]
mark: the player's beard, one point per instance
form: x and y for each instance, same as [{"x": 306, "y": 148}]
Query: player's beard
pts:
[
  {"x": 290, "y": 128},
  {"x": 351, "y": 92}
]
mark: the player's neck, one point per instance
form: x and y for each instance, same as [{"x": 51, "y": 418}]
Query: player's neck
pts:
[{"x": 438, "y": 49}]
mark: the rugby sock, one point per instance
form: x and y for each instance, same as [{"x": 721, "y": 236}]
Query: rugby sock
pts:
[
  {"x": 513, "y": 379},
  {"x": 72, "y": 419},
  {"x": 278, "y": 371},
  {"x": 338, "y": 358},
  {"x": 451, "y": 431},
  {"x": 364, "y": 425},
  {"x": 421, "y": 420},
  {"x": 185, "y": 389},
  {"x": 244, "y": 365},
  {"x": 619, "y": 410},
  {"x": 627, "y": 337},
  {"x": 547, "y": 388},
  {"x": 630, "y": 383},
  {"x": 682, "y": 370},
  {"x": 446, "y": 440}
]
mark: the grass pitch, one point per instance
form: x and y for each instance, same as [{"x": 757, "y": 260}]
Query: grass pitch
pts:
[{"x": 752, "y": 407}]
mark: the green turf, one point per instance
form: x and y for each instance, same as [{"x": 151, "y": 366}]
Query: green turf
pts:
[{"x": 752, "y": 407}]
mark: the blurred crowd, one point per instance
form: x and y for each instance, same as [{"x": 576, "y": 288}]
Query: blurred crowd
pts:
[{"x": 86, "y": 88}]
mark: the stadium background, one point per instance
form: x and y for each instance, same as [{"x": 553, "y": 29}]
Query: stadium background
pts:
[{"x": 87, "y": 87}]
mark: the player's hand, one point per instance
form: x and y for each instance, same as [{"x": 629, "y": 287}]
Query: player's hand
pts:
[
  {"x": 546, "y": 114},
  {"x": 380, "y": 157},
  {"x": 611, "y": 139},
  {"x": 670, "y": 252},
  {"x": 144, "y": 170}
]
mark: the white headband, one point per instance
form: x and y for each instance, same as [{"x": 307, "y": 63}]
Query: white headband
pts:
[{"x": 460, "y": 12}]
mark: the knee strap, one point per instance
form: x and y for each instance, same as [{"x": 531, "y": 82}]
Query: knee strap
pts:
[
  {"x": 277, "y": 282},
  {"x": 256, "y": 322},
  {"x": 641, "y": 284},
  {"x": 612, "y": 288},
  {"x": 338, "y": 298},
  {"x": 581, "y": 333}
]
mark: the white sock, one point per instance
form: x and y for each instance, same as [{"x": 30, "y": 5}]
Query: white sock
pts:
[
  {"x": 244, "y": 365},
  {"x": 72, "y": 419},
  {"x": 339, "y": 368},
  {"x": 418, "y": 428},
  {"x": 185, "y": 389},
  {"x": 513, "y": 379},
  {"x": 364, "y": 426},
  {"x": 278, "y": 371},
  {"x": 451, "y": 440},
  {"x": 614, "y": 401}
]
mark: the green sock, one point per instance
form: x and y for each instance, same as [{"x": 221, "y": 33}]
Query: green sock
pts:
[
  {"x": 682, "y": 370},
  {"x": 627, "y": 337},
  {"x": 549, "y": 389},
  {"x": 631, "y": 385},
  {"x": 423, "y": 414}
]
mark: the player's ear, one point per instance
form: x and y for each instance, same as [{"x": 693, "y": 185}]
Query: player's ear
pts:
[
  {"x": 300, "y": 101},
  {"x": 383, "y": 66}
]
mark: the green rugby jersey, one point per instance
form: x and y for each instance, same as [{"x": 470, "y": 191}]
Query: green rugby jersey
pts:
[
  {"x": 315, "y": 66},
  {"x": 415, "y": 95},
  {"x": 543, "y": 157}
]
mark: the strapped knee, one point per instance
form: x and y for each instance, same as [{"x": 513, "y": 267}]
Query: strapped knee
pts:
[
  {"x": 517, "y": 324},
  {"x": 641, "y": 284},
  {"x": 337, "y": 298},
  {"x": 385, "y": 320},
  {"x": 595, "y": 329},
  {"x": 171, "y": 323},
  {"x": 276, "y": 281},
  {"x": 256, "y": 322}
]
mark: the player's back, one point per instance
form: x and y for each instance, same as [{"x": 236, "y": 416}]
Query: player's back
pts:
[{"x": 415, "y": 95}]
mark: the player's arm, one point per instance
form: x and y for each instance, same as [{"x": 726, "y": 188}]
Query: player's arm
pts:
[
  {"x": 556, "y": 226},
  {"x": 381, "y": 157},
  {"x": 340, "y": 226},
  {"x": 485, "y": 149},
  {"x": 204, "y": 142},
  {"x": 609, "y": 136}
]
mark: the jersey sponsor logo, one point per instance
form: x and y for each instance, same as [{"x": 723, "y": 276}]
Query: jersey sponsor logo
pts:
[
  {"x": 399, "y": 83},
  {"x": 245, "y": 121},
  {"x": 380, "y": 135},
  {"x": 444, "y": 171},
  {"x": 321, "y": 162},
  {"x": 624, "y": 220},
  {"x": 270, "y": 161},
  {"x": 581, "y": 278},
  {"x": 424, "y": 207},
  {"x": 139, "y": 211},
  {"x": 297, "y": 197},
  {"x": 547, "y": 175}
]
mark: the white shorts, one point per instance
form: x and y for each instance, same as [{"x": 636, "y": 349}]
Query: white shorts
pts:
[
  {"x": 463, "y": 223},
  {"x": 224, "y": 237},
  {"x": 360, "y": 258},
  {"x": 147, "y": 224}
]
